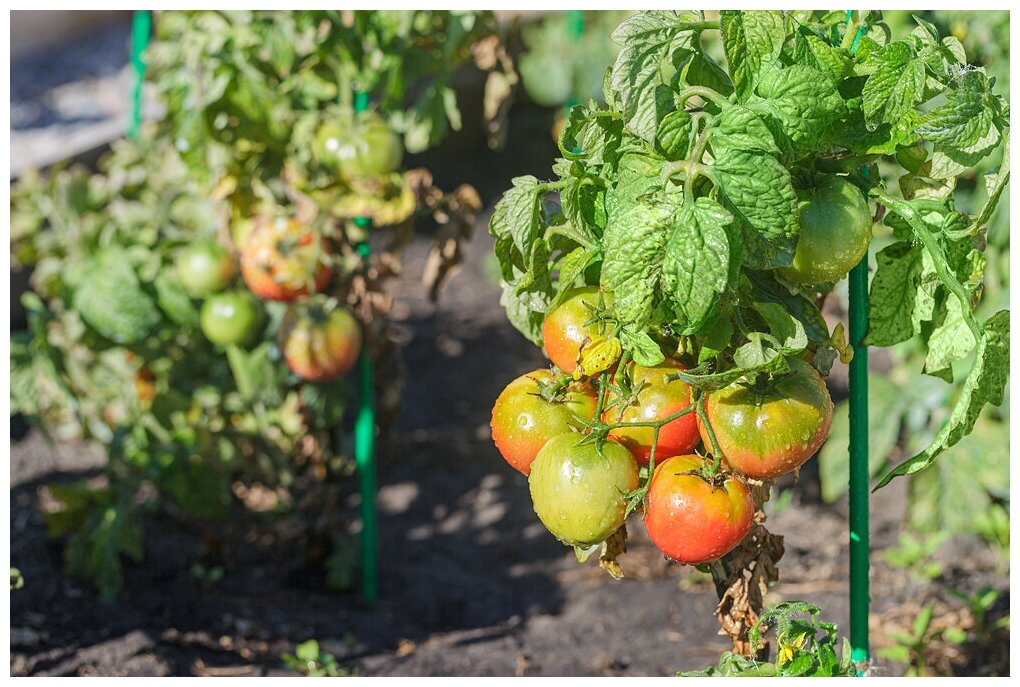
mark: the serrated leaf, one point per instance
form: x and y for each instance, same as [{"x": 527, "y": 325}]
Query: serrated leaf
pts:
[
  {"x": 571, "y": 267},
  {"x": 673, "y": 137},
  {"x": 749, "y": 39},
  {"x": 951, "y": 340},
  {"x": 647, "y": 39},
  {"x": 896, "y": 86},
  {"x": 812, "y": 51},
  {"x": 804, "y": 102},
  {"x": 949, "y": 161},
  {"x": 759, "y": 190},
  {"x": 173, "y": 300},
  {"x": 525, "y": 318},
  {"x": 695, "y": 269},
  {"x": 643, "y": 348},
  {"x": 632, "y": 247},
  {"x": 702, "y": 70},
  {"x": 743, "y": 129},
  {"x": 111, "y": 299},
  {"x": 986, "y": 383},
  {"x": 962, "y": 120},
  {"x": 516, "y": 215},
  {"x": 893, "y": 295}
]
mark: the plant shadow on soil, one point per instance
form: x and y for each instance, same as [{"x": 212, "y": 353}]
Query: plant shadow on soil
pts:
[{"x": 470, "y": 582}]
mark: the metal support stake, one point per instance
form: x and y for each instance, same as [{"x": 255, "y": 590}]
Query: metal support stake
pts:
[
  {"x": 364, "y": 440},
  {"x": 141, "y": 31},
  {"x": 860, "y": 598}
]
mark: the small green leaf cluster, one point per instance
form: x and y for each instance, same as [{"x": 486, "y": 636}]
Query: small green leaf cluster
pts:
[
  {"x": 684, "y": 195},
  {"x": 801, "y": 650}
]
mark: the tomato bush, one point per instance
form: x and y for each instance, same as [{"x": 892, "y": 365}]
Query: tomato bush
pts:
[
  {"x": 712, "y": 203},
  {"x": 141, "y": 339}
]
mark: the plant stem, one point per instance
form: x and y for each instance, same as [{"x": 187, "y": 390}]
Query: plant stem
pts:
[
  {"x": 656, "y": 424},
  {"x": 703, "y": 92},
  {"x": 699, "y": 402},
  {"x": 904, "y": 210},
  {"x": 569, "y": 231}
]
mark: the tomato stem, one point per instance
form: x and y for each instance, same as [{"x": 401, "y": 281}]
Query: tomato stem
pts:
[
  {"x": 703, "y": 92},
  {"x": 699, "y": 402},
  {"x": 654, "y": 424}
]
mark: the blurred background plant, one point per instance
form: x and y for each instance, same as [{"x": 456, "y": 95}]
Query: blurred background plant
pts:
[{"x": 116, "y": 350}]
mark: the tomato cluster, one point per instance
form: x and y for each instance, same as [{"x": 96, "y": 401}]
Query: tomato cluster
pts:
[
  {"x": 283, "y": 261},
  {"x": 586, "y": 441}
]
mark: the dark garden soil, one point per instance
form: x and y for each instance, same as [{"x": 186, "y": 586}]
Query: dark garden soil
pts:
[{"x": 471, "y": 584}]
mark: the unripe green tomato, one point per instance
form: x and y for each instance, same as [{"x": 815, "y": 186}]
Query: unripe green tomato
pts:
[
  {"x": 377, "y": 149},
  {"x": 578, "y": 491},
  {"x": 334, "y": 146},
  {"x": 835, "y": 231},
  {"x": 912, "y": 157},
  {"x": 205, "y": 268},
  {"x": 234, "y": 317}
]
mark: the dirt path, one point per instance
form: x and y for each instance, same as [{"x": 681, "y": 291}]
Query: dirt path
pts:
[{"x": 471, "y": 583}]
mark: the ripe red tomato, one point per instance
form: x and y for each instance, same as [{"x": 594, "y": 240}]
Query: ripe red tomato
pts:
[
  {"x": 234, "y": 317},
  {"x": 578, "y": 491},
  {"x": 657, "y": 398},
  {"x": 280, "y": 260},
  {"x": 766, "y": 433},
  {"x": 835, "y": 231},
  {"x": 523, "y": 421},
  {"x": 319, "y": 339},
  {"x": 692, "y": 520},
  {"x": 565, "y": 328},
  {"x": 204, "y": 267}
]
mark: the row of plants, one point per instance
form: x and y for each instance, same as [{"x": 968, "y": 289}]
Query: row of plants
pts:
[
  {"x": 675, "y": 267},
  {"x": 197, "y": 302}
]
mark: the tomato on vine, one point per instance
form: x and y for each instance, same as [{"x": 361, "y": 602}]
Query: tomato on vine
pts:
[
  {"x": 653, "y": 397},
  {"x": 693, "y": 518},
  {"x": 578, "y": 489},
  {"x": 233, "y": 317},
  {"x": 570, "y": 325},
  {"x": 282, "y": 260},
  {"x": 366, "y": 147},
  {"x": 319, "y": 339},
  {"x": 528, "y": 413},
  {"x": 769, "y": 429},
  {"x": 205, "y": 267},
  {"x": 835, "y": 231}
]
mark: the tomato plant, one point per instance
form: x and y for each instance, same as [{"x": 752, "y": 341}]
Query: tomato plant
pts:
[
  {"x": 533, "y": 409},
  {"x": 201, "y": 402},
  {"x": 320, "y": 341},
  {"x": 713, "y": 201}
]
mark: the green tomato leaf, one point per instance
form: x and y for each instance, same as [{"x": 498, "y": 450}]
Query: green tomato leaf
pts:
[
  {"x": 896, "y": 86},
  {"x": 173, "y": 300},
  {"x": 517, "y": 214},
  {"x": 986, "y": 383},
  {"x": 741, "y": 128},
  {"x": 759, "y": 190},
  {"x": 632, "y": 247},
  {"x": 964, "y": 118},
  {"x": 674, "y": 135},
  {"x": 695, "y": 269},
  {"x": 647, "y": 40},
  {"x": 525, "y": 319},
  {"x": 951, "y": 340},
  {"x": 804, "y": 101},
  {"x": 111, "y": 299},
  {"x": 643, "y": 348},
  {"x": 750, "y": 39},
  {"x": 894, "y": 295}
]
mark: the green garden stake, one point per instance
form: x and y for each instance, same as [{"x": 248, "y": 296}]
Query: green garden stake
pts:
[
  {"x": 860, "y": 598},
  {"x": 141, "y": 31},
  {"x": 575, "y": 30},
  {"x": 364, "y": 439}
]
